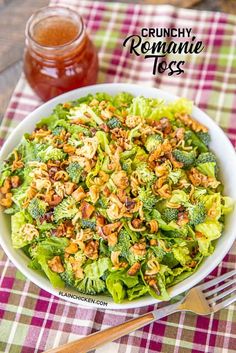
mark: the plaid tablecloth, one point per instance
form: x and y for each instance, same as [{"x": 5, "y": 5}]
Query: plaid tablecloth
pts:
[{"x": 32, "y": 320}]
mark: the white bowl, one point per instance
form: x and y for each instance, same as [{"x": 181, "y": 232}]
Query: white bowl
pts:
[{"x": 220, "y": 145}]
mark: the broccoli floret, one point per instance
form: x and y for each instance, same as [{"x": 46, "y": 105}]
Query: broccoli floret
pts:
[
  {"x": 78, "y": 129},
  {"x": 52, "y": 153},
  {"x": 206, "y": 163},
  {"x": 141, "y": 156},
  {"x": 207, "y": 157},
  {"x": 145, "y": 174},
  {"x": 57, "y": 130},
  {"x": 175, "y": 175},
  {"x": 87, "y": 223},
  {"x": 128, "y": 154},
  {"x": 113, "y": 123},
  {"x": 192, "y": 139},
  {"x": 127, "y": 165},
  {"x": 37, "y": 208},
  {"x": 204, "y": 137},
  {"x": 170, "y": 214},
  {"x": 197, "y": 213},
  {"x": 148, "y": 199},
  {"x": 68, "y": 279},
  {"x": 65, "y": 209},
  {"x": 102, "y": 202},
  {"x": 74, "y": 141},
  {"x": 124, "y": 244},
  {"x": 152, "y": 142},
  {"x": 187, "y": 158},
  {"x": 74, "y": 170},
  {"x": 103, "y": 248},
  {"x": 91, "y": 286},
  {"x": 68, "y": 276}
]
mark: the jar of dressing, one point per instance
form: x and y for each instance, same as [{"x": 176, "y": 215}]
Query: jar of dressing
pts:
[{"x": 59, "y": 56}]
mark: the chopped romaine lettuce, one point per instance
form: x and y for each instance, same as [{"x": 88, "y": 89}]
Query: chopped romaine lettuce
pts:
[
  {"x": 114, "y": 195},
  {"x": 98, "y": 268},
  {"x": 210, "y": 229},
  {"x": 18, "y": 221},
  {"x": 117, "y": 282},
  {"x": 179, "y": 197}
]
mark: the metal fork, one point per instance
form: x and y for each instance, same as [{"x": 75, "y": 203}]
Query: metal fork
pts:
[{"x": 205, "y": 299}]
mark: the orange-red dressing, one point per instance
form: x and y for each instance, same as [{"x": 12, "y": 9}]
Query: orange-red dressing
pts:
[
  {"x": 51, "y": 72},
  {"x": 55, "y": 31}
]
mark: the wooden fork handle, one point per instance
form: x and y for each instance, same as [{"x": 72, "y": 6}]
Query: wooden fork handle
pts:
[{"x": 96, "y": 339}]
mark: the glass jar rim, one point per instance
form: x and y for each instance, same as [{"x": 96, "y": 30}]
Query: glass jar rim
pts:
[{"x": 49, "y": 11}]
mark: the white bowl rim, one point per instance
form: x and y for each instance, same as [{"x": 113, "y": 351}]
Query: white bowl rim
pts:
[{"x": 99, "y": 301}]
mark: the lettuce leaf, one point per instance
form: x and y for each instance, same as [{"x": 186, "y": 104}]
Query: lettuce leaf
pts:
[
  {"x": 53, "y": 277},
  {"x": 169, "y": 260},
  {"x": 50, "y": 121},
  {"x": 146, "y": 107},
  {"x": 138, "y": 291},
  {"x": 94, "y": 172},
  {"x": 117, "y": 282},
  {"x": 181, "y": 274},
  {"x": 103, "y": 142},
  {"x": 123, "y": 98},
  {"x": 155, "y": 214},
  {"x": 179, "y": 196},
  {"x": 116, "y": 289},
  {"x": 212, "y": 203},
  {"x": 97, "y": 268},
  {"x": 19, "y": 194},
  {"x": 155, "y": 109},
  {"x": 199, "y": 192},
  {"x": 181, "y": 254},
  {"x": 27, "y": 149},
  {"x": 45, "y": 251},
  {"x": 4, "y": 174},
  {"x": 227, "y": 205},
  {"x": 161, "y": 284},
  {"x": 81, "y": 112},
  {"x": 205, "y": 246},
  {"x": 181, "y": 106},
  {"x": 18, "y": 220},
  {"x": 210, "y": 229}
]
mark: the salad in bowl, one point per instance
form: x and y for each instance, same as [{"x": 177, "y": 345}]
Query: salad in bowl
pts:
[{"x": 118, "y": 195}]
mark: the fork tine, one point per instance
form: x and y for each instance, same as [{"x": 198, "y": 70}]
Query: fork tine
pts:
[
  {"x": 225, "y": 303},
  {"x": 218, "y": 289},
  {"x": 217, "y": 280},
  {"x": 221, "y": 295}
]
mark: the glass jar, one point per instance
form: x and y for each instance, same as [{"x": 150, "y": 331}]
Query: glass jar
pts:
[{"x": 58, "y": 56}]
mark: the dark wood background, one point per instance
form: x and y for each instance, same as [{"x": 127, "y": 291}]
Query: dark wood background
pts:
[{"x": 14, "y": 14}]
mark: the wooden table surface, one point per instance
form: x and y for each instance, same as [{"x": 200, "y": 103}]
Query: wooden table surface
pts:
[{"x": 14, "y": 14}]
